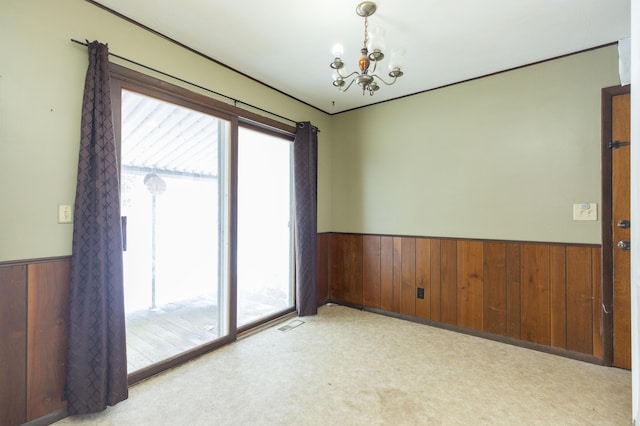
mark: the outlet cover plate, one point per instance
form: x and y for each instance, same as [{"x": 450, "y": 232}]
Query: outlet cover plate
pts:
[
  {"x": 65, "y": 213},
  {"x": 585, "y": 211}
]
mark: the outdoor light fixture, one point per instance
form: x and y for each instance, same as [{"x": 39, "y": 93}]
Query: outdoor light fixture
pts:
[{"x": 374, "y": 43}]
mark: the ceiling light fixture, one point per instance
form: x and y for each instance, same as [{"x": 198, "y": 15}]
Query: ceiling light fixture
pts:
[{"x": 374, "y": 43}]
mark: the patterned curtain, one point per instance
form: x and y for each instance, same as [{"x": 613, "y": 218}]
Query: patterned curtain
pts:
[
  {"x": 305, "y": 177},
  {"x": 96, "y": 349}
]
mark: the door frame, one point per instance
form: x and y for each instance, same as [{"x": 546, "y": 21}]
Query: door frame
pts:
[{"x": 607, "y": 96}]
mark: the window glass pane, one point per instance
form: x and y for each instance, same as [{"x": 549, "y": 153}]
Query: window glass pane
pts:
[
  {"x": 174, "y": 191},
  {"x": 264, "y": 225}
]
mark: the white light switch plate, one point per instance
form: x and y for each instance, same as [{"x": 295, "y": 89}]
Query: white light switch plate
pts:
[
  {"x": 585, "y": 211},
  {"x": 65, "y": 213}
]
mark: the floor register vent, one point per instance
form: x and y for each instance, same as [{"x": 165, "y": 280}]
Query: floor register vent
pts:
[{"x": 293, "y": 324}]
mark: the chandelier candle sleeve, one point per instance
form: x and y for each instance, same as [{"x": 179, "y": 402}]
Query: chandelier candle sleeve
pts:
[{"x": 371, "y": 51}]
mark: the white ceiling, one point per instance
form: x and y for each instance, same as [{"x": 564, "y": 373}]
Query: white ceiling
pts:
[{"x": 287, "y": 44}]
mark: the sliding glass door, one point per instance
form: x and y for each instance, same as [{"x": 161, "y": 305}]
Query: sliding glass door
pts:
[
  {"x": 265, "y": 225},
  {"x": 174, "y": 202},
  {"x": 207, "y": 212}
]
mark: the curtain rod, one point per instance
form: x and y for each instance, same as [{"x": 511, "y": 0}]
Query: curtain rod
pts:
[{"x": 235, "y": 101}]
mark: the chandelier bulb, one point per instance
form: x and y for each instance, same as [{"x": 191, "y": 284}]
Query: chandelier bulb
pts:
[
  {"x": 397, "y": 59},
  {"x": 376, "y": 39},
  {"x": 337, "y": 51}
]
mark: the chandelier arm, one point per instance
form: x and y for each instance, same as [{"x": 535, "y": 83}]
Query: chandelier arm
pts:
[
  {"x": 348, "y": 85},
  {"x": 344, "y": 77},
  {"x": 382, "y": 80}
]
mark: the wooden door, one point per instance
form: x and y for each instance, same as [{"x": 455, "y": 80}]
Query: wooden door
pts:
[{"x": 620, "y": 177}]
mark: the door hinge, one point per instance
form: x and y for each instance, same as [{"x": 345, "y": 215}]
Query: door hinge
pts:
[{"x": 617, "y": 144}]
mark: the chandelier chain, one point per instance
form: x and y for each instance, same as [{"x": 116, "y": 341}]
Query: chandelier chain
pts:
[{"x": 366, "y": 32}]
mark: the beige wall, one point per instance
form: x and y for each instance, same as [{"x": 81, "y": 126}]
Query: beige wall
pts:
[
  {"x": 41, "y": 82},
  {"x": 503, "y": 157}
]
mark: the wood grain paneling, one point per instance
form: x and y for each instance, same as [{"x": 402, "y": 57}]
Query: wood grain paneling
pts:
[
  {"x": 495, "y": 288},
  {"x": 470, "y": 284},
  {"x": 371, "y": 272},
  {"x": 558, "y": 297},
  {"x": 48, "y": 288},
  {"x": 356, "y": 269},
  {"x": 449, "y": 281},
  {"x": 322, "y": 267},
  {"x": 436, "y": 290},
  {"x": 596, "y": 273},
  {"x": 33, "y": 338},
  {"x": 514, "y": 291},
  {"x": 346, "y": 267},
  {"x": 544, "y": 293},
  {"x": 386, "y": 273},
  {"x": 423, "y": 277},
  {"x": 536, "y": 309},
  {"x": 397, "y": 274},
  {"x": 408, "y": 289},
  {"x": 13, "y": 344},
  {"x": 337, "y": 275},
  {"x": 579, "y": 300}
]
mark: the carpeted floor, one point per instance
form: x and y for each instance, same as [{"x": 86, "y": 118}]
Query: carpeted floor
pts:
[{"x": 349, "y": 367}]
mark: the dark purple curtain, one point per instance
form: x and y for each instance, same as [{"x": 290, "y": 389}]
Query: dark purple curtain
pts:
[
  {"x": 305, "y": 178},
  {"x": 96, "y": 349}
]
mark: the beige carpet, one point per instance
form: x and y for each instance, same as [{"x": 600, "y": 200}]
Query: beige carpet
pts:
[{"x": 348, "y": 367}]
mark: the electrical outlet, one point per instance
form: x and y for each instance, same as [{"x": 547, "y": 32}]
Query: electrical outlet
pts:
[{"x": 420, "y": 293}]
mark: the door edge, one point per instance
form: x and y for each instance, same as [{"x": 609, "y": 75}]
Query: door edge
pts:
[{"x": 607, "y": 95}]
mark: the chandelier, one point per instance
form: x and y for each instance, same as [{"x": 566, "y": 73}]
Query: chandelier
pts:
[{"x": 374, "y": 43}]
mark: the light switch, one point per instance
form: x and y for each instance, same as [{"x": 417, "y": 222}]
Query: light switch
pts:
[
  {"x": 65, "y": 213},
  {"x": 585, "y": 211}
]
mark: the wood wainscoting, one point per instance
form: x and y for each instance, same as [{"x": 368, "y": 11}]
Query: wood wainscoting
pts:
[
  {"x": 540, "y": 295},
  {"x": 33, "y": 338}
]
